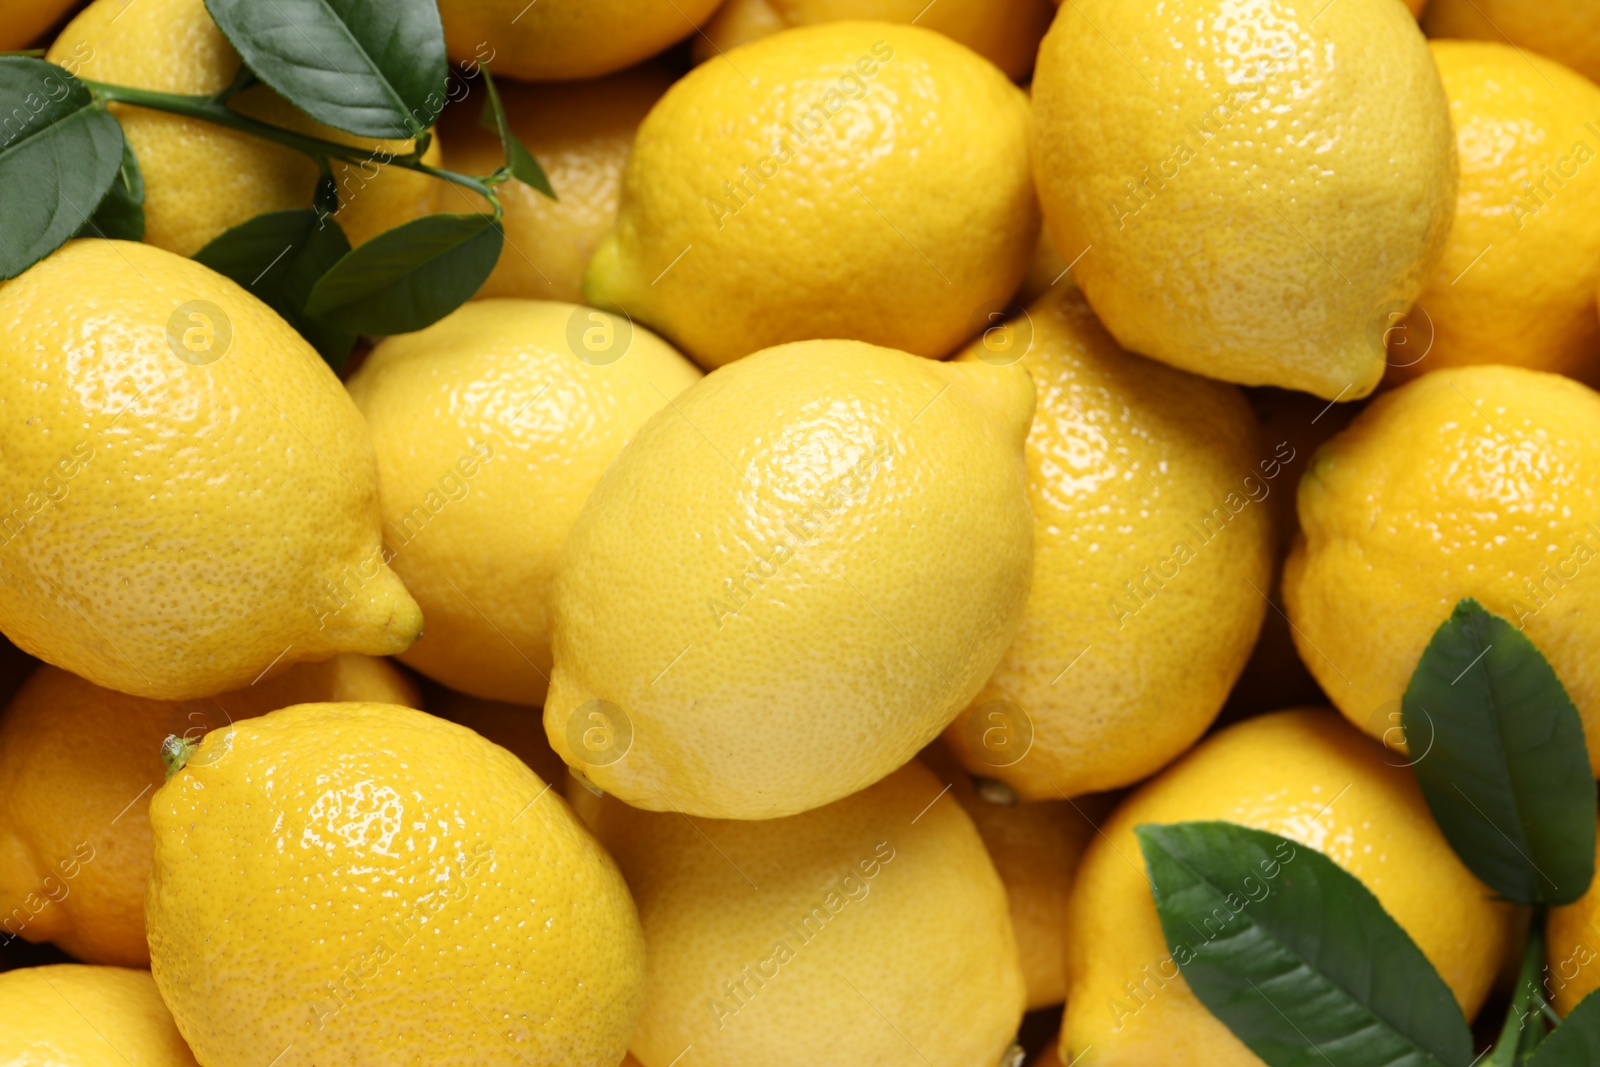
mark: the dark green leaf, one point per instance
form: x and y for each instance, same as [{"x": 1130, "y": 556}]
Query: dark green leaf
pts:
[
  {"x": 523, "y": 166},
  {"x": 372, "y": 67},
  {"x": 59, "y": 153},
  {"x": 1295, "y": 955},
  {"x": 120, "y": 215},
  {"x": 1576, "y": 1042},
  {"x": 279, "y": 257},
  {"x": 1503, "y": 762},
  {"x": 409, "y": 277}
]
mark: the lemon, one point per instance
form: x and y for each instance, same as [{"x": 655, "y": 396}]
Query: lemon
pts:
[
  {"x": 193, "y": 496},
  {"x": 514, "y": 727},
  {"x": 87, "y": 1017},
  {"x": 1252, "y": 190},
  {"x": 1035, "y": 849},
  {"x": 1518, "y": 278},
  {"x": 1564, "y": 30},
  {"x": 15, "y": 666},
  {"x": 200, "y": 178},
  {"x": 823, "y": 182},
  {"x": 1308, "y": 777},
  {"x": 873, "y": 930},
  {"x": 1479, "y": 482},
  {"x": 27, "y": 19},
  {"x": 1152, "y": 556},
  {"x": 77, "y": 766},
  {"x": 1006, "y": 32},
  {"x": 365, "y": 884},
  {"x": 491, "y": 426},
  {"x": 792, "y": 579},
  {"x": 581, "y": 134},
  {"x": 1047, "y": 271},
  {"x": 552, "y": 40},
  {"x": 1572, "y": 949}
]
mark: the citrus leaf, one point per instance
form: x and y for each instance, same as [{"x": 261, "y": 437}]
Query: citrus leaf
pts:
[
  {"x": 409, "y": 277},
  {"x": 59, "y": 154},
  {"x": 373, "y": 67},
  {"x": 1505, "y": 771},
  {"x": 523, "y": 166},
  {"x": 1576, "y": 1042},
  {"x": 1295, "y": 955},
  {"x": 120, "y": 215},
  {"x": 279, "y": 257}
]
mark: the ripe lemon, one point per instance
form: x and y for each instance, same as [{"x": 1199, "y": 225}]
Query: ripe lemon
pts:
[
  {"x": 554, "y": 40},
  {"x": 364, "y": 884},
  {"x": 792, "y": 579},
  {"x": 581, "y": 134},
  {"x": 1308, "y": 777},
  {"x": 516, "y": 728},
  {"x": 1152, "y": 556},
  {"x": 1518, "y": 278},
  {"x": 1564, "y": 30},
  {"x": 1006, "y": 32},
  {"x": 1251, "y": 191},
  {"x": 77, "y": 766},
  {"x": 200, "y": 178},
  {"x": 87, "y": 1017},
  {"x": 491, "y": 426},
  {"x": 839, "y": 197},
  {"x": 1036, "y": 849},
  {"x": 873, "y": 930},
  {"x": 1479, "y": 482},
  {"x": 1572, "y": 951},
  {"x": 27, "y": 19},
  {"x": 193, "y": 495}
]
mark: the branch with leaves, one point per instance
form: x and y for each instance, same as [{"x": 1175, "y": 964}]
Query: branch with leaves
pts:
[{"x": 372, "y": 70}]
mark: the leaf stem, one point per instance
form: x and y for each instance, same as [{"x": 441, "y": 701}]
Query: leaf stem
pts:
[{"x": 1513, "y": 1041}]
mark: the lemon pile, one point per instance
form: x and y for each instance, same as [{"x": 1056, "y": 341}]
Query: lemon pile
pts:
[{"x": 749, "y": 632}]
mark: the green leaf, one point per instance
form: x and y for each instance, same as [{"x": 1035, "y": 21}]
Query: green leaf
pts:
[
  {"x": 519, "y": 160},
  {"x": 59, "y": 153},
  {"x": 372, "y": 67},
  {"x": 120, "y": 215},
  {"x": 1576, "y": 1042},
  {"x": 409, "y": 277},
  {"x": 1505, "y": 770},
  {"x": 279, "y": 257},
  {"x": 1295, "y": 955}
]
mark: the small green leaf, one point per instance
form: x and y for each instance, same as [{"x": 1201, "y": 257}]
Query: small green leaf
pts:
[
  {"x": 409, "y": 277},
  {"x": 1503, "y": 763},
  {"x": 375, "y": 69},
  {"x": 523, "y": 166},
  {"x": 1295, "y": 955},
  {"x": 59, "y": 154},
  {"x": 1576, "y": 1042},
  {"x": 120, "y": 215},
  {"x": 279, "y": 257}
]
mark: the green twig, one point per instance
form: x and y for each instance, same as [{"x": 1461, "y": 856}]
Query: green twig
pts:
[{"x": 1527, "y": 1003}]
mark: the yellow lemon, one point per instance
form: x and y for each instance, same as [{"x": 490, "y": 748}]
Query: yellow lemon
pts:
[
  {"x": 792, "y": 579},
  {"x": 1518, "y": 278},
  {"x": 1251, "y": 191},
  {"x": 516, "y": 728},
  {"x": 581, "y": 134},
  {"x": 1152, "y": 557},
  {"x": 1006, "y": 32},
  {"x": 553, "y": 40},
  {"x": 87, "y": 1017},
  {"x": 1303, "y": 775},
  {"x": 200, "y": 178},
  {"x": 491, "y": 426},
  {"x": 1572, "y": 951},
  {"x": 364, "y": 884},
  {"x": 872, "y": 930},
  {"x": 27, "y": 19},
  {"x": 822, "y": 182},
  {"x": 77, "y": 766},
  {"x": 193, "y": 496},
  {"x": 1479, "y": 482},
  {"x": 1564, "y": 30}
]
